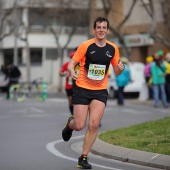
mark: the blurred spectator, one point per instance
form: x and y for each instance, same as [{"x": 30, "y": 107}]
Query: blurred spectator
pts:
[
  {"x": 3, "y": 83},
  {"x": 3, "y": 69},
  {"x": 68, "y": 82},
  {"x": 12, "y": 75},
  {"x": 122, "y": 80},
  {"x": 147, "y": 72},
  {"x": 167, "y": 84},
  {"x": 158, "y": 72}
]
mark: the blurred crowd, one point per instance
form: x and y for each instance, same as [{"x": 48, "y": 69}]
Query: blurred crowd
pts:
[{"x": 157, "y": 76}]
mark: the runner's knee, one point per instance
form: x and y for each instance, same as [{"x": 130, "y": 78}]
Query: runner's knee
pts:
[
  {"x": 78, "y": 126},
  {"x": 93, "y": 125}
]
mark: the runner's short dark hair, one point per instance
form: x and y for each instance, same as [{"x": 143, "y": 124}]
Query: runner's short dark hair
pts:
[{"x": 101, "y": 19}]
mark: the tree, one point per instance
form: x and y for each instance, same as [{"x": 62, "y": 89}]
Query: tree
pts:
[
  {"x": 5, "y": 22},
  {"x": 107, "y": 7},
  {"x": 150, "y": 10},
  {"x": 65, "y": 15},
  {"x": 11, "y": 23}
]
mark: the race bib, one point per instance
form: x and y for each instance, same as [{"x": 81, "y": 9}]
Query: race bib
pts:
[
  {"x": 96, "y": 71},
  {"x": 70, "y": 81}
]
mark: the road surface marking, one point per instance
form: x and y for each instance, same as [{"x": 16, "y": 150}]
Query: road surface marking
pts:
[{"x": 51, "y": 148}]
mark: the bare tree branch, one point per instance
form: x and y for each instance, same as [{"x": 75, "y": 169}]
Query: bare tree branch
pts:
[
  {"x": 127, "y": 16},
  {"x": 146, "y": 8},
  {"x": 153, "y": 19},
  {"x": 7, "y": 34},
  {"x": 117, "y": 31},
  {"x": 166, "y": 13},
  {"x": 162, "y": 40},
  {"x": 4, "y": 15},
  {"x": 106, "y": 6},
  {"x": 70, "y": 37},
  {"x": 55, "y": 36},
  {"x": 153, "y": 33},
  {"x": 7, "y": 13}
]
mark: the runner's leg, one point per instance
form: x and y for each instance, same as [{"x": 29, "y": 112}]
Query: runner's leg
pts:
[
  {"x": 70, "y": 104},
  {"x": 96, "y": 110},
  {"x": 80, "y": 115}
]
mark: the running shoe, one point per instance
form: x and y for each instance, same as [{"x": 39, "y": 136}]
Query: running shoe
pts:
[
  {"x": 67, "y": 132},
  {"x": 83, "y": 164}
]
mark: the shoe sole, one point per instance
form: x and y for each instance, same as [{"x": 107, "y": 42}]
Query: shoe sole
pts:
[{"x": 81, "y": 167}]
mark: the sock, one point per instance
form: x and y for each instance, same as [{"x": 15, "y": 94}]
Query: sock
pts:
[
  {"x": 83, "y": 155},
  {"x": 71, "y": 109},
  {"x": 69, "y": 127}
]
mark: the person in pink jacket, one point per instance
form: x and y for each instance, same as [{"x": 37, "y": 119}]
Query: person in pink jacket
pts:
[{"x": 147, "y": 72}]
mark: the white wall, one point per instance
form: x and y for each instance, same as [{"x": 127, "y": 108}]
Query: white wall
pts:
[{"x": 43, "y": 40}]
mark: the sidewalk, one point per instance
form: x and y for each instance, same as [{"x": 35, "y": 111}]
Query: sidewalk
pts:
[
  {"x": 145, "y": 102},
  {"x": 131, "y": 155}
]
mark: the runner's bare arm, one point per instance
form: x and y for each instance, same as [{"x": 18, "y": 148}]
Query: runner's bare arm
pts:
[
  {"x": 71, "y": 67},
  {"x": 119, "y": 68}
]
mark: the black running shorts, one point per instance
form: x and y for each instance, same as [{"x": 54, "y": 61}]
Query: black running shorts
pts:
[
  {"x": 85, "y": 96},
  {"x": 69, "y": 92}
]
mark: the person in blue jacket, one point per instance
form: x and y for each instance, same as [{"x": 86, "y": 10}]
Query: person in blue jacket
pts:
[
  {"x": 122, "y": 80},
  {"x": 158, "y": 72}
]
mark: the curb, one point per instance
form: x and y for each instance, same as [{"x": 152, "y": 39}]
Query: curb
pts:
[{"x": 131, "y": 155}]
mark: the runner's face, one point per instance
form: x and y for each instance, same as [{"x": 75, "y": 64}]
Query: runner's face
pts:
[{"x": 101, "y": 30}]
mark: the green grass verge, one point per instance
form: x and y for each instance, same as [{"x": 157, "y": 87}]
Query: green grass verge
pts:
[{"x": 151, "y": 136}]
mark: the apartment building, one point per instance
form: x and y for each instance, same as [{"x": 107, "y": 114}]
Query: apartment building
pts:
[
  {"x": 138, "y": 25},
  {"x": 38, "y": 26}
]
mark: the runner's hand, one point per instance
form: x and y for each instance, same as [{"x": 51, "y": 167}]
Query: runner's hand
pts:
[
  {"x": 73, "y": 75},
  {"x": 67, "y": 74},
  {"x": 121, "y": 65}
]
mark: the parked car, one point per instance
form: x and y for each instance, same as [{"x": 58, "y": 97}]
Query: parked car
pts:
[{"x": 134, "y": 86}]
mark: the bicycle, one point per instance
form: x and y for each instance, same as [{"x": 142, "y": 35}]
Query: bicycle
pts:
[{"x": 20, "y": 91}]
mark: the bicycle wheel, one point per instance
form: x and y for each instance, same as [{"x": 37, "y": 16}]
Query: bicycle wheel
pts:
[
  {"x": 38, "y": 91},
  {"x": 17, "y": 92}
]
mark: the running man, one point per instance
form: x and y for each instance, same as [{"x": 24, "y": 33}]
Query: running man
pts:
[{"x": 90, "y": 91}]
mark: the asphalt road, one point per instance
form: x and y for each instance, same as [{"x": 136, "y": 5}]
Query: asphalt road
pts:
[{"x": 30, "y": 134}]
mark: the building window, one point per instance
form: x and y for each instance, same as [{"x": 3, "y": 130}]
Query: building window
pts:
[
  {"x": 42, "y": 19},
  {"x": 9, "y": 56},
  {"x": 36, "y": 56}
]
